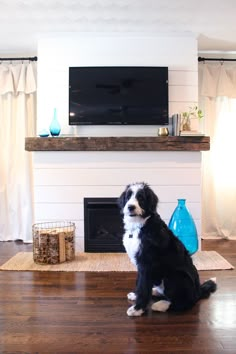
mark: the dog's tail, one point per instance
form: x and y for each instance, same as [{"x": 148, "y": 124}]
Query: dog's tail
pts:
[{"x": 207, "y": 288}]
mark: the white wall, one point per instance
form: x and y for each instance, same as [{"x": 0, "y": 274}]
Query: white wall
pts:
[
  {"x": 57, "y": 54},
  {"x": 63, "y": 179}
]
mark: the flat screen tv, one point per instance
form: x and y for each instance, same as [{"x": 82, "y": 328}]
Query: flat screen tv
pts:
[{"x": 118, "y": 95}]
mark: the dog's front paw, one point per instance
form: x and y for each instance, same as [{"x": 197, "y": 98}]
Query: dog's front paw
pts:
[
  {"x": 161, "y": 306},
  {"x": 133, "y": 312},
  {"x": 131, "y": 296}
]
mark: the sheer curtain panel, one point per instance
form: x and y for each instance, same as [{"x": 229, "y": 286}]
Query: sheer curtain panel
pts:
[
  {"x": 217, "y": 96},
  {"x": 17, "y": 120}
]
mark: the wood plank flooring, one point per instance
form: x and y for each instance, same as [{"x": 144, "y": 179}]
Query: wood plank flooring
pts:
[{"x": 43, "y": 312}]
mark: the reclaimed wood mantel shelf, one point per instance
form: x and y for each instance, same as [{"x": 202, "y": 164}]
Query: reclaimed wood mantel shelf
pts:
[{"x": 164, "y": 143}]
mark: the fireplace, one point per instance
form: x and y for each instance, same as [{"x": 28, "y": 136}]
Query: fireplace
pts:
[{"x": 103, "y": 226}]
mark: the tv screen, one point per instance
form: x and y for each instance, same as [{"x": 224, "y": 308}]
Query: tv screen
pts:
[{"x": 118, "y": 95}]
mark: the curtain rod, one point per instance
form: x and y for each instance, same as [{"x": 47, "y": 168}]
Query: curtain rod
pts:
[
  {"x": 21, "y": 58},
  {"x": 215, "y": 59}
]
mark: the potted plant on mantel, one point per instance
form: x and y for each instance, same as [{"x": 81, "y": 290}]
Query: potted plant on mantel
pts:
[{"x": 186, "y": 117}]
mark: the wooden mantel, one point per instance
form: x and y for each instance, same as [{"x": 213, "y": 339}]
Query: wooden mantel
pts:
[{"x": 164, "y": 143}]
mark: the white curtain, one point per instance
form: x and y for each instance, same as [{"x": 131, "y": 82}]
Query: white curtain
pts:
[
  {"x": 217, "y": 96},
  {"x": 17, "y": 120}
]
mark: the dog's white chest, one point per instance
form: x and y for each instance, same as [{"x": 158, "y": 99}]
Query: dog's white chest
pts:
[{"x": 131, "y": 243}]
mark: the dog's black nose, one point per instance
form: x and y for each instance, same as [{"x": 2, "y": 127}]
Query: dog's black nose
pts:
[{"x": 131, "y": 207}]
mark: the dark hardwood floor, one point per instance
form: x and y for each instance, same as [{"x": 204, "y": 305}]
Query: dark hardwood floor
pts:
[{"x": 56, "y": 312}]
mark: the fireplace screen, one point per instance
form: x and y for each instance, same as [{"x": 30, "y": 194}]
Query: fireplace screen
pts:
[{"x": 103, "y": 226}]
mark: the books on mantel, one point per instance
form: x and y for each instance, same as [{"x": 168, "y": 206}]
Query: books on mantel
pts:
[
  {"x": 191, "y": 133},
  {"x": 176, "y": 122}
]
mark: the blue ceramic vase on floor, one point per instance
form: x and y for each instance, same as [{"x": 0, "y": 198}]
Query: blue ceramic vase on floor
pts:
[
  {"x": 55, "y": 127},
  {"x": 183, "y": 226}
]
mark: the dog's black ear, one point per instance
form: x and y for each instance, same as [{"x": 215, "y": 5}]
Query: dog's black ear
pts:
[
  {"x": 121, "y": 201},
  {"x": 152, "y": 199}
]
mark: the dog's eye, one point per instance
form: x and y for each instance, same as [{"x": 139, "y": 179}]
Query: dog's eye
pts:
[
  {"x": 141, "y": 197},
  {"x": 128, "y": 194}
]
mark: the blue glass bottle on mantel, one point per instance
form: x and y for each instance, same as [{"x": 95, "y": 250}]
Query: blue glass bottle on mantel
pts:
[
  {"x": 55, "y": 127},
  {"x": 183, "y": 226}
]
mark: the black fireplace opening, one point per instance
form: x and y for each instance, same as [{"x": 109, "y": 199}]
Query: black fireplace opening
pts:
[{"x": 103, "y": 225}]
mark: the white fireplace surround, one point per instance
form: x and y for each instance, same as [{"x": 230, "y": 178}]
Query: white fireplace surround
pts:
[{"x": 63, "y": 178}]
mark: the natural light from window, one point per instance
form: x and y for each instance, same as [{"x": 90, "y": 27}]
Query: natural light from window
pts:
[{"x": 224, "y": 144}]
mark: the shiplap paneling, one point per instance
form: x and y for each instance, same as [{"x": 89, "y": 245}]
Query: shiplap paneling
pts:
[
  {"x": 116, "y": 176},
  {"x": 183, "y": 78},
  {"x": 57, "y": 54},
  {"x": 181, "y": 93},
  {"x": 117, "y": 159},
  {"x": 75, "y": 211},
  {"x": 73, "y": 194},
  {"x": 63, "y": 179}
]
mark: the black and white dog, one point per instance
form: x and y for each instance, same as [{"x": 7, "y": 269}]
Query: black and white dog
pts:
[{"x": 165, "y": 268}]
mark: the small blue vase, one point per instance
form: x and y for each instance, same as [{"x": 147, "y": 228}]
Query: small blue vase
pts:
[
  {"x": 183, "y": 226},
  {"x": 55, "y": 127}
]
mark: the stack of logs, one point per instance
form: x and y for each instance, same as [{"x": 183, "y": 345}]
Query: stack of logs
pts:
[{"x": 54, "y": 244}]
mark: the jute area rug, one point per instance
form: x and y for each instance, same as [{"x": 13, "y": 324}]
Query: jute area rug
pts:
[{"x": 106, "y": 262}]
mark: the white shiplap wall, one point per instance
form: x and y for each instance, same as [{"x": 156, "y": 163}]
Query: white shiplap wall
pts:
[
  {"x": 63, "y": 179},
  {"x": 57, "y": 54}
]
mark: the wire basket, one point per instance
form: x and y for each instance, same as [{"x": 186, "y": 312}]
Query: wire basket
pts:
[{"x": 53, "y": 242}]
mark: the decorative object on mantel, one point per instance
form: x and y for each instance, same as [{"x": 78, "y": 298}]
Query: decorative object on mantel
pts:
[
  {"x": 163, "y": 131},
  {"x": 176, "y": 120},
  {"x": 191, "y": 133},
  {"x": 193, "y": 113},
  {"x": 53, "y": 242},
  {"x": 182, "y": 122},
  {"x": 44, "y": 133},
  {"x": 183, "y": 226},
  {"x": 55, "y": 127}
]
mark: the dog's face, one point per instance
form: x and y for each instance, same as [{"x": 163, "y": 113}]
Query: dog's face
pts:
[{"x": 137, "y": 202}]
